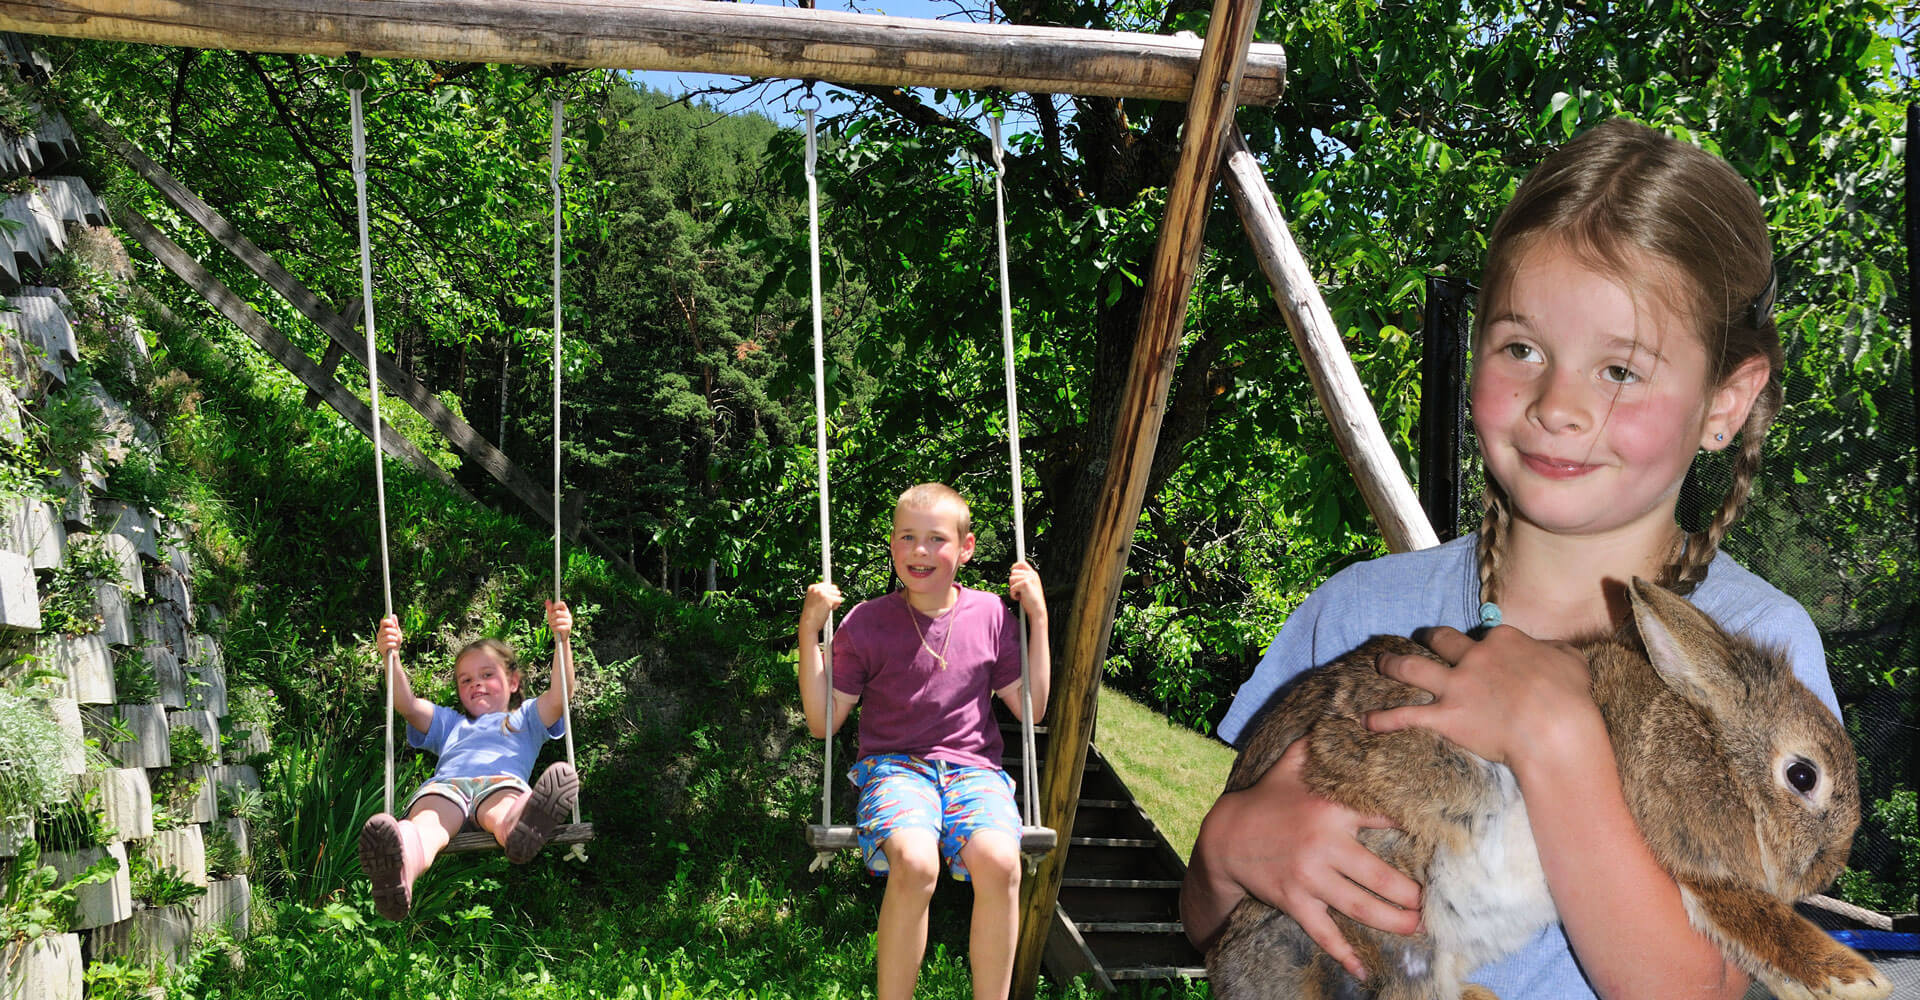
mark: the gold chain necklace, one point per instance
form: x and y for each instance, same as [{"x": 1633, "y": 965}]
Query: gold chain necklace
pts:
[{"x": 947, "y": 640}]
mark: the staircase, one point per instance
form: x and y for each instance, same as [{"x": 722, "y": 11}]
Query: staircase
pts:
[{"x": 1118, "y": 917}]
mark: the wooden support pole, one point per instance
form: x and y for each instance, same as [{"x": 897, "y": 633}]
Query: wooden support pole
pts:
[
  {"x": 689, "y": 36},
  {"x": 1137, "y": 429},
  {"x": 1356, "y": 426},
  {"x": 330, "y": 359},
  {"x": 242, "y": 315},
  {"x": 340, "y": 330}
]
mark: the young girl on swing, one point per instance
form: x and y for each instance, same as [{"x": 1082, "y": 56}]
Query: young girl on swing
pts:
[
  {"x": 1625, "y": 324},
  {"x": 487, "y": 751}
]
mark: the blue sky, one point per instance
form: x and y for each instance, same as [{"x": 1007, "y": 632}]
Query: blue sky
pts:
[{"x": 766, "y": 98}]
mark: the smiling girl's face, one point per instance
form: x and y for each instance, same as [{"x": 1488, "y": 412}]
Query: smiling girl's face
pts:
[{"x": 485, "y": 682}]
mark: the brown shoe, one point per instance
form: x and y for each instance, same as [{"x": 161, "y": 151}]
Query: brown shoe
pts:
[
  {"x": 550, "y": 803},
  {"x": 384, "y": 849}
]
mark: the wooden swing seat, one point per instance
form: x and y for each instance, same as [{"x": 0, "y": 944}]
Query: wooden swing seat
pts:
[
  {"x": 1033, "y": 839},
  {"x": 472, "y": 838}
]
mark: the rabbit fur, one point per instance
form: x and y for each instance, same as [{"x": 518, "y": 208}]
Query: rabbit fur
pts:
[{"x": 1741, "y": 780}]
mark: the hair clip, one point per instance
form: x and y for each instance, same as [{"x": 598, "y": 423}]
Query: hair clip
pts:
[{"x": 1761, "y": 308}]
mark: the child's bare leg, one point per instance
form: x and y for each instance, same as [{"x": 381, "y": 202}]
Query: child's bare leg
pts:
[
  {"x": 436, "y": 819},
  {"x": 913, "y": 868},
  {"x": 498, "y": 812},
  {"x": 993, "y": 861}
]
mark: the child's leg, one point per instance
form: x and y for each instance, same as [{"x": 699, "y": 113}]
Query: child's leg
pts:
[
  {"x": 913, "y": 867},
  {"x": 394, "y": 852},
  {"x": 435, "y": 820},
  {"x": 523, "y": 820},
  {"x": 982, "y": 842},
  {"x": 899, "y": 822},
  {"x": 993, "y": 860}
]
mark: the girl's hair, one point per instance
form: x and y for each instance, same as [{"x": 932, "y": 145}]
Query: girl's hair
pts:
[
  {"x": 508, "y": 661},
  {"x": 1629, "y": 200}
]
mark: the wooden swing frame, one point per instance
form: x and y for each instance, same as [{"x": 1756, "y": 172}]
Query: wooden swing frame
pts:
[{"x": 1213, "y": 76}]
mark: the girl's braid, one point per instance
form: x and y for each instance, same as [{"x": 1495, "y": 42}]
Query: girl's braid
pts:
[
  {"x": 1691, "y": 567},
  {"x": 1490, "y": 544}
]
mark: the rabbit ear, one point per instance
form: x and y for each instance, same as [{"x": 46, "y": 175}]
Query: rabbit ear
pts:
[{"x": 1686, "y": 648}]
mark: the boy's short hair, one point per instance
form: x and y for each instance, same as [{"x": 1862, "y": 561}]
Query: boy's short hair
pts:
[{"x": 927, "y": 496}]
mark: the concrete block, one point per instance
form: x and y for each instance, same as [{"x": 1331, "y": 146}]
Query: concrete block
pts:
[
  {"x": 242, "y": 833},
  {"x": 136, "y": 526},
  {"x": 166, "y": 585},
  {"x": 116, "y": 616},
  {"x": 155, "y": 936},
  {"x": 203, "y": 648},
  {"x": 149, "y": 747},
  {"x": 20, "y": 832},
  {"x": 12, "y": 429},
  {"x": 50, "y": 313},
  {"x": 204, "y": 807},
  {"x": 126, "y": 556},
  {"x": 200, "y": 721},
  {"x": 166, "y": 669},
  {"x": 42, "y": 329},
  {"x": 176, "y": 549},
  {"x": 234, "y": 776},
  {"x": 45, "y": 535},
  {"x": 87, "y": 664},
  {"x": 125, "y": 799},
  {"x": 163, "y": 624},
  {"x": 244, "y": 744},
  {"x": 228, "y": 903},
  {"x": 207, "y": 686},
  {"x": 73, "y": 744},
  {"x": 101, "y": 904},
  {"x": 72, "y": 502},
  {"x": 46, "y": 968},
  {"x": 182, "y": 849},
  {"x": 73, "y": 201},
  {"x": 19, "y": 596},
  {"x": 127, "y": 432}
]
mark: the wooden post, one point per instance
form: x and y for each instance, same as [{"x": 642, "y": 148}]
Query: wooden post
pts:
[
  {"x": 1356, "y": 427},
  {"x": 692, "y": 36},
  {"x": 1137, "y": 429},
  {"x": 340, "y": 330},
  {"x": 330, "y": 359},
  {"x": 242, "y": 315}
]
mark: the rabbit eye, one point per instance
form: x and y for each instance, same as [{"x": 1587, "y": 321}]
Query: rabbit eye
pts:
[{"x": 1803, "y": 776}]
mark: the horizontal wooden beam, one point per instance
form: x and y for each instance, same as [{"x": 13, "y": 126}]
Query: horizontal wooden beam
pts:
[
  {"x": 690, "y": 36},
  {"x": 1356, "y": 425}
]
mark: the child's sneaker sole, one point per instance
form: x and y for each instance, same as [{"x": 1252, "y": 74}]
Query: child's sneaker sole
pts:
[
  {"x": 384, "y": 861},
  {"x": 550, "y": 802}
]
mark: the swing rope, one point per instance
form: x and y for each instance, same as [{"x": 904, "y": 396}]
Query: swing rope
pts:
[
  {"x": 810, "y": 105},
  {"x": 1013, "y": 455},
  {"x": 1034, "y": 840},
  {"x": 356, "y": 82},
  {"x": 563, "y": 651}
]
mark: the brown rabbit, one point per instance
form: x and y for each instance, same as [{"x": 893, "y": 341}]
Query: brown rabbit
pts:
[{"x": 1740, "y": 779}]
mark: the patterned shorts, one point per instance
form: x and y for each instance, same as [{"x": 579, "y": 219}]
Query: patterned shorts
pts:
[
  {"x": 955, "y": 801},
  {"x": 468, "y": 793}
]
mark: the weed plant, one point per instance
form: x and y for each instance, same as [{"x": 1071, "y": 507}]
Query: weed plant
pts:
[
  {"x": 18, "y": 114},
  {"x": 31, "y": 749},
  {"x": 35, "y": 901},
  {"x": 158, "y": 885},
  {"x": 67, "y": 593},
  {"x": 75, "y": 823},
  {"x": 224, "y": 859},
  {"x": 71, "y": 424},
  {"x": 188, "y": 747},
  {"x": 134, "y": 679}
]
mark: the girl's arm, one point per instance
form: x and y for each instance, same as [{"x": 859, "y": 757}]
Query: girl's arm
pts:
[
  {"x": 1514, "y": 699},
  {"x": 1023, "y": 585},
  {"x": 1299, "y": 853},
  {"x": 417, "y": 711},
  {"x": 822, "y": 598},
  {"x": 552, "y": 703}
]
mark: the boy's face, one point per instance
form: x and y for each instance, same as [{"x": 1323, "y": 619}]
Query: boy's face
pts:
[{"x": 929, "y": 548}]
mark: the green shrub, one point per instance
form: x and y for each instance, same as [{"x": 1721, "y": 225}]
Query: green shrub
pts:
[
  {"x": 74, "y": 824},
  {"x": 34, "y": 902},
  {"x": 189, "y": 747},
  {"x": 31, "y": 748},
  {"x": 134, "y": 680},
  {"x": 71, "y": 424},
  {"x": 156, "y": 884},
  {"x": 66, "y": 597},
  {"x": 223, "y": 853}
]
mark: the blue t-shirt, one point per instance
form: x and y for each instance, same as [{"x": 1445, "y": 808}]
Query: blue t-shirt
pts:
[
  {"x": 1400, "y": 593},
  {"x": 480, "y": 748}
]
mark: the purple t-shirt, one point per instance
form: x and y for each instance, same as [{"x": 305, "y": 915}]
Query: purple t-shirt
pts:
[{"x": 911, "y": 704}]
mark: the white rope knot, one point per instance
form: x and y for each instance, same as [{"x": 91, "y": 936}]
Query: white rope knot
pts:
[
  {"x": 577, "y": 852},
  {"x": 820, "y": 860}
]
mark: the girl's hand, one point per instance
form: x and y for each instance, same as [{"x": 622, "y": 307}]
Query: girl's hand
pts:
[
  {"x": 1023, "y": 585},
  {"x": 1300, "y": 853},
  {"x": 388, "y": 637},
  {"x": 1509, "y": 697},
  {"x": 822, "y": 599},
  {"x": 559, "y": 620}
]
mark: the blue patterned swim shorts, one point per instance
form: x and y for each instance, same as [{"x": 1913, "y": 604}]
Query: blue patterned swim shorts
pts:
[{"x": 955, "y": 801}]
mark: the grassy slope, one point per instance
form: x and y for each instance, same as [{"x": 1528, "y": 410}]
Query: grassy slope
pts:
[{"x": 1173, "y": 772}]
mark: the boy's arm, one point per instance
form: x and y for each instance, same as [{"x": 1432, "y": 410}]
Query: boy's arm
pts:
[
  {"x": 1023, "y": 585},
  {"x": 416, "y": 710},
  {"x": 822, "y": 598},
  {"x": 552, "y": 703}
]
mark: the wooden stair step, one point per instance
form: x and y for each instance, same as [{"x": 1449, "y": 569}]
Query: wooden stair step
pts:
[
  {"x": 1121, "y": 883},
  {"x": 1157, "y": 972},
  {"x": 1140, "y": 842},
  {"x": 1132, "y": 927}
]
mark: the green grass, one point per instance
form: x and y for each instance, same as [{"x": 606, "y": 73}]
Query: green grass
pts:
[{"x": 1173, "y": 772}]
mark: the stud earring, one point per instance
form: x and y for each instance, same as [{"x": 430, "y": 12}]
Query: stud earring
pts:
[{"x": 1719, "y": 437}]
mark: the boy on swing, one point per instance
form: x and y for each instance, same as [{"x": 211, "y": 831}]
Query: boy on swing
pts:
[{"x": 926, "y": 660}]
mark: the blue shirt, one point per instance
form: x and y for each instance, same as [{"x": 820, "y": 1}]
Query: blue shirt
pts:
[
  {"x": 482, "y": 747},
  {"x": 1397, "y": 594}
]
